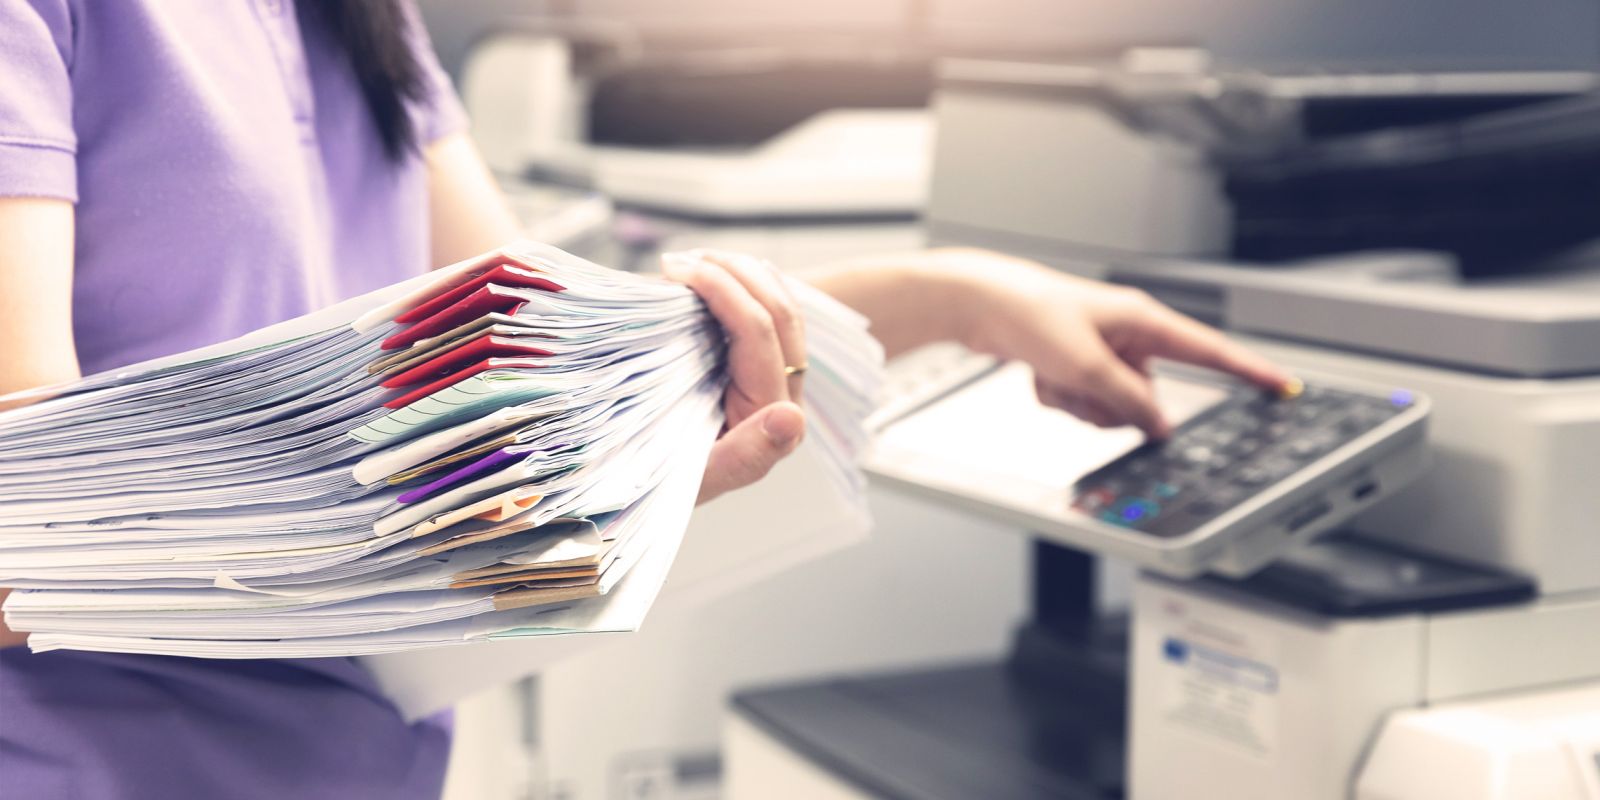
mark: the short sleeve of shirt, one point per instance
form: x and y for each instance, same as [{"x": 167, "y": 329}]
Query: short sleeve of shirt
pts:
[
  {"x": 439, "y": 112},
  {"x": 37, "y": 144}
]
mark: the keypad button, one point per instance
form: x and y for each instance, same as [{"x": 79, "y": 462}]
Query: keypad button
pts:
[
  {"x": 1094, "y": 500},
  {"x": 1309, "y": 412},
  {"x": 1312, "y": 445},
  {"x": 1113, "y": 485},
  {"x": 1246, "y": 446},
  {"x": 1278, "y": 468},
  {"x": 1371, "y": 414},
  {"x": 1215, "y": 500},
  {"x": 1135, "y": 510},
  {"x": 1238, "y": 419},
  {"x": 1352, "y": 425}
]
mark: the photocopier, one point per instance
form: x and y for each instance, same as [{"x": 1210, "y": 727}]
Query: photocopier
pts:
[{"x": 1444, "y": 642}]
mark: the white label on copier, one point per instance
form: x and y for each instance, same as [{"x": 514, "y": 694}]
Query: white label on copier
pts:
[{"x": 1221, "y": 684}]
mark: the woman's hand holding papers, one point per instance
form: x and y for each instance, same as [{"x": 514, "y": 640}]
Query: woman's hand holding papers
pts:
[
  {"x": 402, "y": 525},
  {"x": 765, "y": 335}
]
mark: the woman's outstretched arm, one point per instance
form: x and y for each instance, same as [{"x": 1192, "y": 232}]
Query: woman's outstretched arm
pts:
[
  {"x": 1089, "y": 343},
  {"x": 35, "y": 305}
]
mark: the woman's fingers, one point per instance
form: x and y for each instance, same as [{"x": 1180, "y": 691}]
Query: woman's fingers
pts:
[
  {"x": 766, "y": 285},
  {"x": 1180, "y": 338},
  {"x": 1078, "y": 406},
  {"x": 1130, "y": 395},
  {"x": 1077, "y": 367},
  {"x": 748, "y": 451},
  {"x": 763, "y": 326},
  {"x": 755, "y": 360},
  {"x": 1116, "y": 387}
]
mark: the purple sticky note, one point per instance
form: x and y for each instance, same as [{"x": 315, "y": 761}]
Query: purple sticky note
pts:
[{"x": 488, "y": 463}]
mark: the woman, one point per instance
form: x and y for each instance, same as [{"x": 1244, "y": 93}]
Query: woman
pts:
[{"x": 174, "y": 174}]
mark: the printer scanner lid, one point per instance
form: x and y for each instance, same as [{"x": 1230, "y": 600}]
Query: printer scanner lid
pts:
[{"x": 1542, "y": 324}]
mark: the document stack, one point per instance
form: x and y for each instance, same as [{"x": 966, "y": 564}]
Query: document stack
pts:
[{"x": 508, "y": 447}]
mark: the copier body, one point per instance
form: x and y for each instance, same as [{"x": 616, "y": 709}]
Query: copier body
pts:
[{"x": 1233, "y": 696}]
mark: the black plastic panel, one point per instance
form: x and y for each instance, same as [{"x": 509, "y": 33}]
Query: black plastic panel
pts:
[{"x": 1347, "y": 575}]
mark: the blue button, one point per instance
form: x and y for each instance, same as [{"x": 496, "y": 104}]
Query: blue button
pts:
[
  {"x": 1175, "y": 650},
  {"x": 1135, "y": 509}
]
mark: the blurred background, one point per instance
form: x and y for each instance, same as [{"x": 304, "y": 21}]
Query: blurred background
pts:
[
  {"x": 1371, "y": 33},
  {"x": 813, "y": 131}
]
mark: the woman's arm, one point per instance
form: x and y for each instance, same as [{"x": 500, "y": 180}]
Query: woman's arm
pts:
[
  {"x": 35, "y": 305},
  {"x": 1089, "y": 343},
  {"x": 468, "y": 214}
]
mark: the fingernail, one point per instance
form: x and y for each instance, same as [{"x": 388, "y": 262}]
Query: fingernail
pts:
[
  {"x": 783, "y": 429},
  {"x": 677, "y": 268},
  {"x": 1162, "y": 430}
]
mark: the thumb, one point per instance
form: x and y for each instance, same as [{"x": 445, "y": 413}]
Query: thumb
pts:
[{"x": 747, "y": 452}]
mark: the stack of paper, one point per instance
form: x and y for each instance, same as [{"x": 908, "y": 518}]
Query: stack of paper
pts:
[{"x": 507, "y": 447}]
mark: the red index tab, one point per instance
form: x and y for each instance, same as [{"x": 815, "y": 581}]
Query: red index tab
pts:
[
  {"x": 505, "y": 273},
  {"x": 475, "y": 350},
  {"x": 485, "y": 300},
  {"x": 456, "y": 377}
]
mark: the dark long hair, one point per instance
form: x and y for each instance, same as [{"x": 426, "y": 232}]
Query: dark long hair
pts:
[{"x": 372, "y": 34}]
